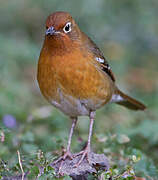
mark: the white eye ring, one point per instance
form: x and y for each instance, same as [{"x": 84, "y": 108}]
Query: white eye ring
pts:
[{"x": 67, "y": 27}]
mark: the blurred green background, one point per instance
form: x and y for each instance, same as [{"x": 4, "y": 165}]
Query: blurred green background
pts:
[{"x": 127, "y": 33}]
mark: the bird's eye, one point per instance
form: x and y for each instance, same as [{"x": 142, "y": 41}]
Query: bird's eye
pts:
[{"x": 67, "y": 27}]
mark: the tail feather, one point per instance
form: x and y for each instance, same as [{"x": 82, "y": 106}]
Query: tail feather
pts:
[{"x": 129, "y": 102}]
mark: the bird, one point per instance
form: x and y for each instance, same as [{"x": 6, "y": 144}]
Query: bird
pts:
[{"x": 75, "y": 77}]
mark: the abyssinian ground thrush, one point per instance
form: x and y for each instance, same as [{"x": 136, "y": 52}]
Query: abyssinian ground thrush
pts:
[{"x": 74, "y": 76}]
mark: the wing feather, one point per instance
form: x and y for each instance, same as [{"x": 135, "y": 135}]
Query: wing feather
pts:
[{"x": 98, "y": 55}]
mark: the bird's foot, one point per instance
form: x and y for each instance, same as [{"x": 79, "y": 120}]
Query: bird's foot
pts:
[
  {"x": 61, "y": 160},
  {"x": 66, "y": 155},
  {"x": 84, "y": 153}
]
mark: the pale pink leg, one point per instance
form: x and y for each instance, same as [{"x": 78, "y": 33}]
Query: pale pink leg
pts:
[
  {"x": 88, "y": 147},
  {"x": 68, "y": 152}
]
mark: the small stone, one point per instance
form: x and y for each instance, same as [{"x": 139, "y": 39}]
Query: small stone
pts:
[{"x": 97, "y": 162}]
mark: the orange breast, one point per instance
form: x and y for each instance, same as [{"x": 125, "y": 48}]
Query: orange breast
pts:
[{"x": 76, "y": 75}]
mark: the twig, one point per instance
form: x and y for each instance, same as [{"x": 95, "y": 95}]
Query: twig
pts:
[{"x": 20, "y": 163}]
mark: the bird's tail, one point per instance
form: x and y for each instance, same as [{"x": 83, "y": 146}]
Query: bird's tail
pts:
[{"x": 122, "y": 99}]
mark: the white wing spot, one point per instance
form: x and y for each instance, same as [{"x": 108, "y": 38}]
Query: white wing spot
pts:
[
  {"x": 99, "y": 60},
  {"x": 116, "y": 98}
]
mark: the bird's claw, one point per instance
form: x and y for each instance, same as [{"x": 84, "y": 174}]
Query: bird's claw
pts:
[
  {"x": 85, "y": 153},
  {"x": 66, "y": 155}
]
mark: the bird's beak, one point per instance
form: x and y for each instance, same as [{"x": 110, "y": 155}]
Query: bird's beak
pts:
[{"x": 50, "y": 31}]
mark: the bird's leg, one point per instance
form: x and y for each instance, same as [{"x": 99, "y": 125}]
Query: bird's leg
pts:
[
  {"x": 67, "y": 153},
  {"x": 86, "y": 151}
]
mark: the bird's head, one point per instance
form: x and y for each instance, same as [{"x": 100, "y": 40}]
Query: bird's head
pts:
[{"x": 61, "y": 27}]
